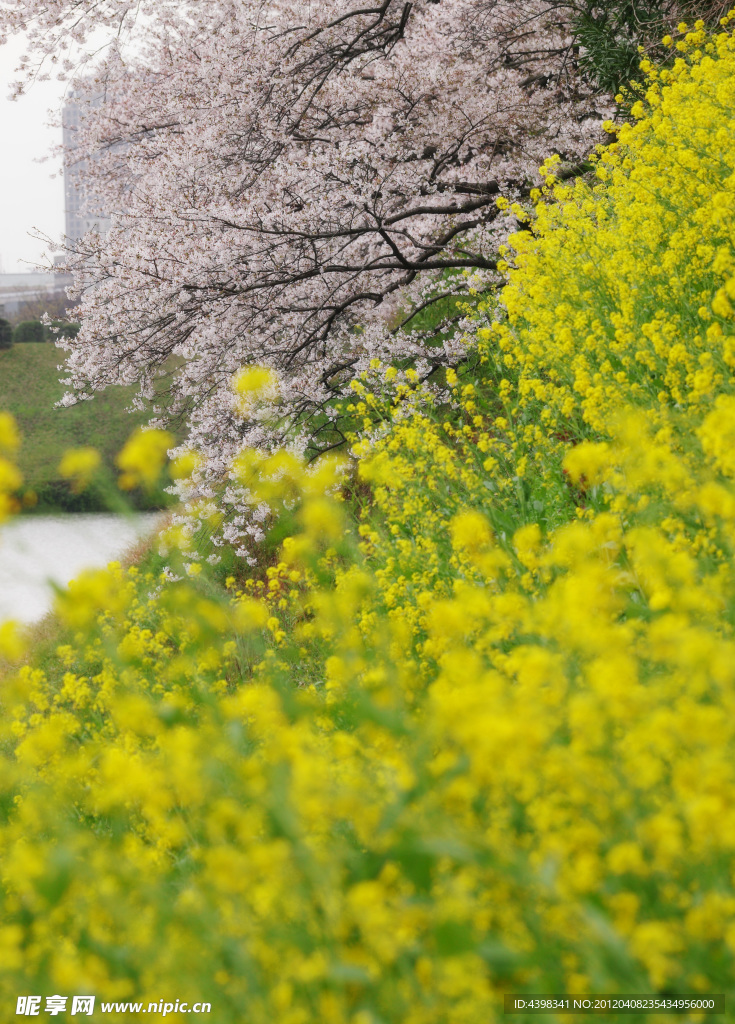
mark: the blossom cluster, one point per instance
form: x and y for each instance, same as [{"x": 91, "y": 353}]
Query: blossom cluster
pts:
[
  {"x": 275, "y": 182},
  {"x": 476, "y": 738}
]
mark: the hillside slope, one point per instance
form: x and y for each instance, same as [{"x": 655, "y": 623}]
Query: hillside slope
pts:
[{"x": 29, "y": 389}]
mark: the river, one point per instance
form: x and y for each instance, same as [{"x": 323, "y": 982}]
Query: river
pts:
[{"x": 38, "y": 550}]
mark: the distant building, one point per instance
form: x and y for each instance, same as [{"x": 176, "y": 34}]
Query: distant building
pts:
[
  {"x": 84, "y": 211},
  {"x": 31, "y": 293}
]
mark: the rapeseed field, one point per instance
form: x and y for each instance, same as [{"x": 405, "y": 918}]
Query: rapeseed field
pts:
[{"x": 472, "y": 730}]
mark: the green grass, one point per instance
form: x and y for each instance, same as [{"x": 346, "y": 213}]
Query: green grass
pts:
[{"x": 29, "y": 389}]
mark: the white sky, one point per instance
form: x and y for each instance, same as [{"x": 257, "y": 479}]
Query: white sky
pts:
[{"x": 29, "y": 196}]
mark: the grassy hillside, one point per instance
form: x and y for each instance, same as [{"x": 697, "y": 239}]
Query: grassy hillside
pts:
[{"x": 29, "y": 389}]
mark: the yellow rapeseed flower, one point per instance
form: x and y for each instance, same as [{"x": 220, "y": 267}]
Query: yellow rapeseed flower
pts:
[{"x": 143, "y": 457}]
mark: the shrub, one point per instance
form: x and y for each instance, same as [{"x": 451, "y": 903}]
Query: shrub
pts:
[
  {"x": 6, "y": 333},
  {"x": 62, "y": 329},
  {"x": 29, "y": 331}
]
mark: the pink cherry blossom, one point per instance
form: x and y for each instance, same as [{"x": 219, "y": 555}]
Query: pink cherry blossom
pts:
[{"x": 287, "y": 180}]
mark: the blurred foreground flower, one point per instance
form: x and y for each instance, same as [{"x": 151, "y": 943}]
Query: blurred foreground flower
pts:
[
  {"x": 12, "y": 646},
  {"x": 9, "y": 436},
  {"x": 185, "y": 465},
  {"x": 10, "y": 476},
  {"x": 252, "y": 385},
  {"x": 143, "y": 458},
  {"x": 78, "y": 465}
]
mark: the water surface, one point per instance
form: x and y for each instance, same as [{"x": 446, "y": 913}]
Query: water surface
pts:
[{"x": 35, "y": 550}]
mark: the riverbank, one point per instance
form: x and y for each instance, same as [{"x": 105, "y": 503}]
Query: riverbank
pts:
[
  {"x": 44, "y": 634},
  {"x": 30, "y": 389},
  {"x": 40, "y": 553}
]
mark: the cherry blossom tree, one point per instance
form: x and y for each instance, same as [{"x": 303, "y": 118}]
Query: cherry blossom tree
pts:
[{"x": 291, "y": 184}]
